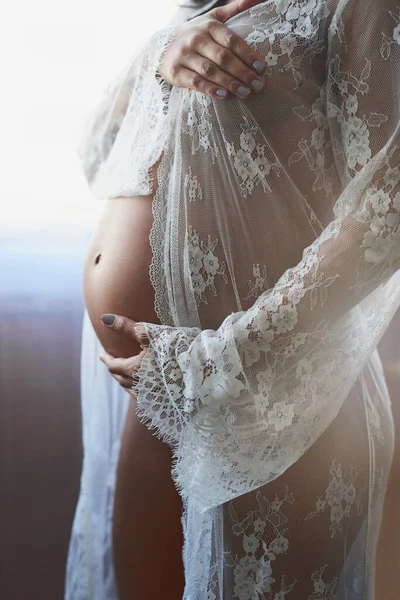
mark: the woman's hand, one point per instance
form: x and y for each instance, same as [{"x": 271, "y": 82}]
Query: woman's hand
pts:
[
  {"x": 124, "y": 370},
  {"x": 208, "y": 57}
]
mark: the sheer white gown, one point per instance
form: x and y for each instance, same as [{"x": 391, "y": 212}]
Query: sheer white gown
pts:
[
  {"x": 276, "y": 257},
  {"x": 90, "y": 570}
]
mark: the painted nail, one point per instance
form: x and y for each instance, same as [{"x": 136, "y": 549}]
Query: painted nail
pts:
[
  {"x": 221, "y": 93},
  {"x": 108, "y": 319},
  {"x": 257, "y": 85},
  {"x": 243, "y": 91},
  {"x": 259, "y": 66}
]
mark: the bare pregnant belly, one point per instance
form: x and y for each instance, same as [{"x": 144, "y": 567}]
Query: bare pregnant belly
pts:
[
  {"x": 116, "y": 270},
  {"x": 147, "y": 508}
]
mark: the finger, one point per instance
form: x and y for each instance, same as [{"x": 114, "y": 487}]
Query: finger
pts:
[
  {"x": 222, "y": 67},
  {"x": 213, "y": 74},
  {"x": 194, "y": 81},
  {"x": 118, "y": 323},
  {"x": 106, "y": 358},
  {"x": 126, "y": 326},
  {"x": 118, "y": 366},
  {"x": 122, "y": 366},
  {"x": 125, "y": 382},
  {"x": 107, "y": 355},
  {"x": 252, "y": 62},
  {"x": 231, "y": 10}
]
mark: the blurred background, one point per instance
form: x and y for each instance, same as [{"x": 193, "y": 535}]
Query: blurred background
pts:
[{"x": 58, "y": 58}]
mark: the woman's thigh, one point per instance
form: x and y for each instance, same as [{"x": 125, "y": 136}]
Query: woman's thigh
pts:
[{"x": 147, "y": 530}]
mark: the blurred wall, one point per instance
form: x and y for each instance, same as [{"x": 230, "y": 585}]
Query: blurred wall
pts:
[
  {"x": 67, "y": 52},
  {"x": 41, "y": 309}
]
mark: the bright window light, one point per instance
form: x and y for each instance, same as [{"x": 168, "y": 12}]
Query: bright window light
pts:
[{"x": 55, "y": 73}]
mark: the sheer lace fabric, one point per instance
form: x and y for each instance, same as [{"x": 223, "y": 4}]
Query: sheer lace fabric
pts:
[
  {"x": 90, "y": 567},
  {"x": 276, "y": 257}
]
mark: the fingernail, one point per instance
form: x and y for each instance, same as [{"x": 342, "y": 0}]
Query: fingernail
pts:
[
  {"x": 257, "y": 85},
  {"x": 243, "y": 91},
  {"x": 259, "y": 66},
  {"x": 221, "y": 93},
  {"x": 108, "y": 319}
]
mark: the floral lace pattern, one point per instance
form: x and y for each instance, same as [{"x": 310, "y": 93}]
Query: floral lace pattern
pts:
[
  {"x": 303, "y": 185},
  {"x": 355, "y": 126},
  {"x": 340, "y": 496},
  {"x": 204, "y": 265},
  {"x": 315, "y": 151},
  {"x": 259, "y": 283},
  {"x": 257, "y": 392},
  {"x": 384, "y": 227},
  {"x": 250, "y": 162},
  {"x": 388, "y": 41},
  {"x": 192, "y": 187},
  {"x": 197, "y": 124},
  {"x": 254, "y": 569},
  {"x": 293, "y": 34},
  {"x": 322, "y": 589}
]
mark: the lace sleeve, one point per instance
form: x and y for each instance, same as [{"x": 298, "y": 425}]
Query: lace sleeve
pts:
[
  {"x": 136, "y": 100},
  {"x": 241, "y": 404}
]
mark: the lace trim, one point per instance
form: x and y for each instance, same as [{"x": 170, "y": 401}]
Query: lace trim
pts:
[
  {"x": 166, "y": 413},
  {"x": 157, "y": 240}
]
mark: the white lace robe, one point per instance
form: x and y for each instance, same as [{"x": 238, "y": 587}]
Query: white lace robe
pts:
[{"x": 276, "y": 257}]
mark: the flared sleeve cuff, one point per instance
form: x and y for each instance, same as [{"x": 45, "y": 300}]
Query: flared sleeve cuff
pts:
[{"x": 161, "y": 402}]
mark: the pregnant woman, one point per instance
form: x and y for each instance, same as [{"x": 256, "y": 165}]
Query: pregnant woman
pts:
[
  {"x": 113, "y": 281},
  {"x": 275, "y": 250}
]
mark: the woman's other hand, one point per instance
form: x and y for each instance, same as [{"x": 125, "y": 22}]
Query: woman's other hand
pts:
[
  {"x": 208, "y": 57},
  {"x": 124, "y": 369}
]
